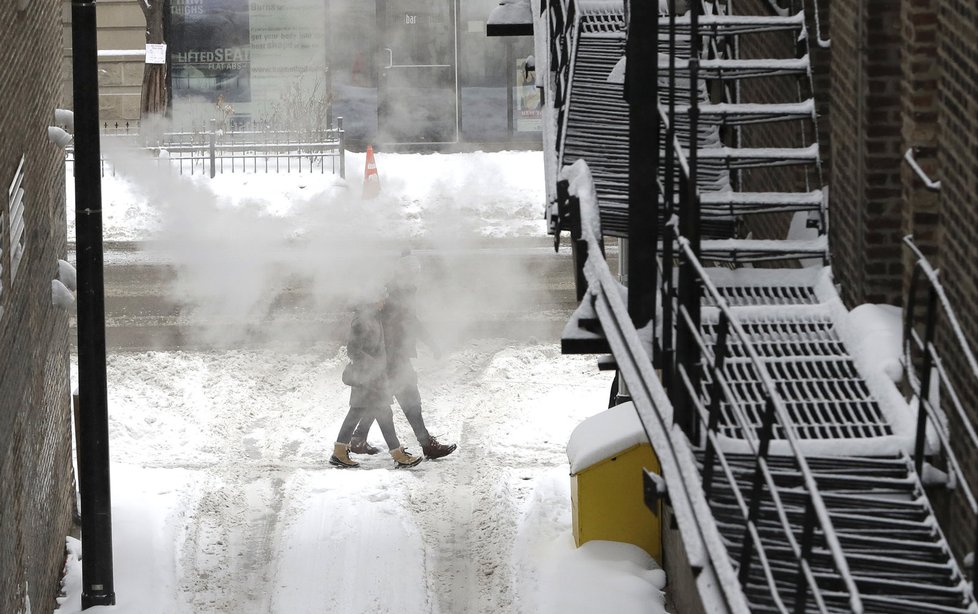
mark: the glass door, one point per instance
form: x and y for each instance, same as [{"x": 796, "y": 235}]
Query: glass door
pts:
[{"x": 418, "y": 85}]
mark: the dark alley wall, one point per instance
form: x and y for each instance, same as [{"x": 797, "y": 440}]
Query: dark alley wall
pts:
[{"x": 37, "y": 499}]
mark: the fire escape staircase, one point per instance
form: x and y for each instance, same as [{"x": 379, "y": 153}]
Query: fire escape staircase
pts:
[{"x": 796, "y": 468}]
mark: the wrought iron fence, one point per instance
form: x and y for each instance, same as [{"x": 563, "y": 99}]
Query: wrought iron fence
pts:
[{"x": 212, "y": 147}]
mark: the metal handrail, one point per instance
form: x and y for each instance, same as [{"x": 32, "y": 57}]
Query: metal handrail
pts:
[
  {"x": 930, "y": 184},
  {"x": 572, "y": 34},
  {"x": 787, "y": 426},
  {"x": 920, "y": 384},
  {"x": 777, "y": 409},
  {"x": 824, "y": 43},
  {"x": 701, "y": 535}
]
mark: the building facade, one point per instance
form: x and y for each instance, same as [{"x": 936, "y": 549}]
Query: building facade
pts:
[
  {"x": 37, "y": 502},
  {"x": 410, "y": 71}
]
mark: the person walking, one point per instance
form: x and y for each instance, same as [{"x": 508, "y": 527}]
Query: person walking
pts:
[
  {"x": 402, "y": 330},
  {"x": 370, "y": 394}
]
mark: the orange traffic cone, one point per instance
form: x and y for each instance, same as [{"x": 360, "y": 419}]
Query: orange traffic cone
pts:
[{"x": 371, "y": 180}]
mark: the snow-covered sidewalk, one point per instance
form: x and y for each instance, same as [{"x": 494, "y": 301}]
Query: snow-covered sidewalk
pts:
[{"x": 224, "y": 502}]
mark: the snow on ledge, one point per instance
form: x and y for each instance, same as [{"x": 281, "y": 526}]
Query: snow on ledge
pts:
[
  {"x": 603, "y": 435},
  {"x": 511, "y": 12}
]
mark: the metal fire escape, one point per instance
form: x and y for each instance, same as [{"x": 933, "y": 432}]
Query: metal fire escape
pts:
[{"x": 795, "y": 466}]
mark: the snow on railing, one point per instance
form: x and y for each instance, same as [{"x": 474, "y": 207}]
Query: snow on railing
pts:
[
  {"x": 816, "y": 510},
  {"x": 930, "y": 184},
  {"x": 775, "y": 411},
  {"x": 703, "y": 543},
  {"x": 921, "y": 383}
]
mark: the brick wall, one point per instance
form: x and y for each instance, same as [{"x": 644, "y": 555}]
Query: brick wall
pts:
[
  {"x": 957, "y": 168},
  {"x": 866, "y": 199},
  {"x": 905, "y": 75},
  {"x": 35, "y": 447}
]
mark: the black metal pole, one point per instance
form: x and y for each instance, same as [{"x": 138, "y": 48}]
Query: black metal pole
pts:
[
  {"x": 93, "y": 455},
  {"x": 757, "y": 489},
  {"x": 641, "y": 84},
  {"x": 807, "y": 542},
  {"x": 668, "y": 232},
  {"x": 716, "y": 390},
  {"x": 919, "y": 444}
]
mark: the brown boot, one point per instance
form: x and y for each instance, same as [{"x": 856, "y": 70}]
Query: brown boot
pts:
[
  {"x": 437, "y": 450},
  {"x": 403, "y": 459},
  {"x": 341, "y": 456},
  {"x": 359, "y": 445}
]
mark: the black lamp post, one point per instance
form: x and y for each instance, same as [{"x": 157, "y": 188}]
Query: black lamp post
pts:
[{"x": 93, "y": 454}]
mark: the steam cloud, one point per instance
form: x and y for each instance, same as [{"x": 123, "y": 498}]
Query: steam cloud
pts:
[{"x": 258, "y": 271}]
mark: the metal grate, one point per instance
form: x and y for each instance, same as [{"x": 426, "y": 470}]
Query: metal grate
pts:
[
  {"x": 871, "y": 501},
  {"x": 740, "y": 296},
  {"x": 822, "y": 390},
  {"x": 597, "y": 20}
]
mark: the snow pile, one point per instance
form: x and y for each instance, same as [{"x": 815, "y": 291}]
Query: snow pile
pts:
[
  {"x": 603, "y": 435},
  {"x": 475, "y": 194},
  {"x": 880, "y": 337},
  {"x": 554, "y": 577}
]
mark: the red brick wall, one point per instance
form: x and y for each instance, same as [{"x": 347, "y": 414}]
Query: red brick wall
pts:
[
  {"x": 957, "y": 168},
  {"x": 866, "y": 199},
  {"x": 35, "y": 448}
]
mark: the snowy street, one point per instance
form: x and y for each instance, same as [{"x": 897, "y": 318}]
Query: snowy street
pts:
[
  {"x": 226, "y": 323},
  {"x": 224, "y": 501}
]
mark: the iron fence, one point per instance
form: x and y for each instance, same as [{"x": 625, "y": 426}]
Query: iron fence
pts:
[{"x": 212, "y": 148}]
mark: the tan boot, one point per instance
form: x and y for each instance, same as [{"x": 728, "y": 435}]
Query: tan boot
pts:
[
  {"x": 403, "y": 459},
  {"x": 341, "y": 456}
]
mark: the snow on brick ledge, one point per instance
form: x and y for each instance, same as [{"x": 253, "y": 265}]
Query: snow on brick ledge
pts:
[{"x": 603, "y": 435}]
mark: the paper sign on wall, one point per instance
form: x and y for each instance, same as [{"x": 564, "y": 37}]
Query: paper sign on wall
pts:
[{"x": 156, "y": 53}]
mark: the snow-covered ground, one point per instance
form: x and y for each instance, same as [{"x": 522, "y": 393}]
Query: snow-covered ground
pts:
[{"x": 222, "y": 497}]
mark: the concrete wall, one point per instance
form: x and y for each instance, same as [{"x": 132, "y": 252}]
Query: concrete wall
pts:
[
  {"x": 37, "y": 499},
  {"x": 121, "y": 26}
]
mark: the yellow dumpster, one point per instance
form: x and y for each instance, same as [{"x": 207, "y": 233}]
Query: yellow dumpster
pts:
[{"x": 607, "y": 453}]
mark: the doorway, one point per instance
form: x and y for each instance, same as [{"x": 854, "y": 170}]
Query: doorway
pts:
[{"x": 418, "y": 85}]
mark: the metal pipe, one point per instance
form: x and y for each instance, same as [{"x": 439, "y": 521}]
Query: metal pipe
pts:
[{"x": 96, "y": 504}]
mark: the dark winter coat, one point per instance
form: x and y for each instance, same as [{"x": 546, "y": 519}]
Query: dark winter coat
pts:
[
  {"x": 402, "y": 331},
  {"x": 367, "y": 371}
]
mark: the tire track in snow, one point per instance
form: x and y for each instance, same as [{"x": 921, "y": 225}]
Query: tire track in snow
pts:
[
  {"x": 461, "y": 504},
  {"x": 229, "y": 554}
]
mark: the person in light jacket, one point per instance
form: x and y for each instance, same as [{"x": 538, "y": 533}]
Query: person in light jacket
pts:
[{"x": 370, "y": 394}]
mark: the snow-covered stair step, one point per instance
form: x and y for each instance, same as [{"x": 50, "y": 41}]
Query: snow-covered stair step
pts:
[
  {"x": 885, "y": 527},
  {"x": 753, "y": 157},
  {"x": 742, "y": 203},
  {"x": 752, "y": 113},
  {"x": 732, "y": 25},
  {"x": 742, "y": 69},
  {"x": 755, "y": 250}
]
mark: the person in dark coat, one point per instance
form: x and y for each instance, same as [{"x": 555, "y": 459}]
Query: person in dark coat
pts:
[
  {"x": 402, "y": 331},
  {"x": 370, "y": 394}
]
